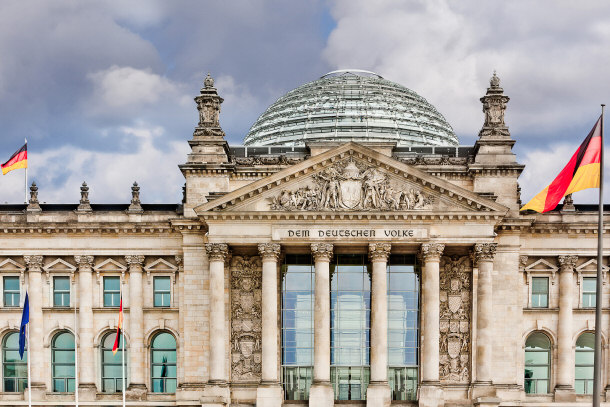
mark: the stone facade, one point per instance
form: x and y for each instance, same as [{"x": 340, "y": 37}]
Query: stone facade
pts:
[{"x": 221, "y": 251}]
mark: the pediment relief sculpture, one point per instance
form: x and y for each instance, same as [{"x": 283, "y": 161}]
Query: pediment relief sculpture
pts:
[{"x": 351, "y": 186}]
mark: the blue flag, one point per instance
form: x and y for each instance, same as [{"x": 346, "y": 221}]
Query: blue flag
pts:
[{"x": 25, "y": 318}]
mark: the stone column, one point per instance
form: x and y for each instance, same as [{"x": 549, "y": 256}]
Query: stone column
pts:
[
  {"x": 321, "y": 393},
  {"x": 217, "y": 254},
  {"x": 430, "y": 394},
  {"x": 378, "y": 392},
  {"x": 137, "y": 383},
  {"x": 36, "y": 326},
  {"x": 564, "y": 388},
  {"x": 484, "y": 254},
  {"x": 86, "y": 354},
  {"x": 269, "y": 392}
]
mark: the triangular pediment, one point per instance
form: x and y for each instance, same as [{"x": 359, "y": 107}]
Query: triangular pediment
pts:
[
  {"x": 59, "y": 265},
  {"x": 352, "y": 178},
  {"x": 541, "y": 265},
  {"x": 590, "y": 266},
  {"x": 160, "y": 265},
  {"x": 109, "y": 265},
  {"x": 10, "y": 265}
]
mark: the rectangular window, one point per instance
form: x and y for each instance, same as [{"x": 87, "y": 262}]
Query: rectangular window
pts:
[
  {"x": 162, "y": 294},
  {"x": 540, "y": 292},
  {"x": 11, "y": 291},
  {"x": 112, "y": 291},
  {"x": 589, "y": 286},
  {"x": 61, "y": 291}
]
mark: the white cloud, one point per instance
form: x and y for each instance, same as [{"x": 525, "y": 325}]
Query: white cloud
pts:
[
  {"x": 60, "y": 172},
  {"x": 551, "y": 55}
]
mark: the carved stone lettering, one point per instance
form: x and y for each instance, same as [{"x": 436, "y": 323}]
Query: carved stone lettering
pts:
[
  {"x": 455, "y": 315},
  {"x": 246, "y": 325},
  {"x": 351, "y": 186}
]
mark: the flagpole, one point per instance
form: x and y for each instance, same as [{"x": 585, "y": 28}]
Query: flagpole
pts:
[
  {"x": 598, "y": 289},
  {"x": 27, "y": 331},
  {"x": 25, "y": 191},
  {"x": 75, "y": 354},
  {"x": 122, "y": 339}
]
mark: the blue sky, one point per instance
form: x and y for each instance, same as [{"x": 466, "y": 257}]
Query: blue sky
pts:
[{"x": 104, "y": 90}]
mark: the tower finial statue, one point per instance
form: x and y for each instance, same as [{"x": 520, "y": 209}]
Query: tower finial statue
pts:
[{"x": 494, "y": 105}]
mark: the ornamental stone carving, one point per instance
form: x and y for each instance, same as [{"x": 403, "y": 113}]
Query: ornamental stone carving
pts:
[
  {"x": 484, "y": 251},
  {"x": 84, "y": 262},
  {"x": 134, "y": 260},
  {"x": 351, "y": 186},
  {"x": 567, "y": 263},
  {"x": 432, "y": 251},
  {"x": 217, "y": 251},
  {"x": 322, "y": 251},
  {"x": 494, "y": 105},
  {"x": 34, "y": 262},
  {"x": 269, "y": 251},
  {"x": 265, "y": 160},
  {"x": 379, "y": 251},
  {"x": 455, "y": 319},
  {"x": 246, "y": 324}
]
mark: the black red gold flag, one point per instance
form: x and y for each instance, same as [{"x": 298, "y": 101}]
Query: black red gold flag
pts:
[
  {"x": 118, "y": 329},
  {"x": 18, "y": 160}
]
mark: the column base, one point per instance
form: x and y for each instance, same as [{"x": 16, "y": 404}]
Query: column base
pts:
[
  {"x": 87, "y": 392},
  {"x": 378, "y": 394},
  {"x": 483, "y": 390},
  {"x": 431, "y": 395},
  {"x": 216, "y": 395},
  {"x": 486, "y": 402},
  {"x": 564, "y": 393},
  {"x": 321, "y": 394},
  {"x": 269, "y": 395},
  {"x": 136, "y": 392}
]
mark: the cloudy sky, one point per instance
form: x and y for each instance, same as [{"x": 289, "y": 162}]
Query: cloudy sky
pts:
[{"x": 104, "y": 90}]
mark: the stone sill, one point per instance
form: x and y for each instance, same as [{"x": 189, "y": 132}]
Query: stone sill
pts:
[
  {"x": 58, "y": 309},
  {"x": 540, "y": 309},
  {"x": 161, "y": 309}
]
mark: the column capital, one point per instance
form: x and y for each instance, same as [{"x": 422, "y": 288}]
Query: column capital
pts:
[
  {"x": 322, "y": 251},
  {"x": 567, "y": 263},
  {"x": 134, "y": 261},
  {"x": 269, "y": 251},
  {"x": 34, "y": 262},
  {"x": 432, "y": 251},
  {"x": 84, "y": 262},
  {"x": 217, "y": 251},
  {"x": 379, "y": 251},
  {"x": 484, "y": 252}
]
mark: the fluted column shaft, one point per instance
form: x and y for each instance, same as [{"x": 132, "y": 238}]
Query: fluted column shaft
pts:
[
  {"x": 36, "y": 324},
  {"x": 322, "y": 253},
  {"x": 565, "y": 364},
  {"x": 484, "y": 256},
  {"x": 86, "y": 354},
  {"x": 378, "y": 253},
  {"x": 431, "y": 255},
  {"x": 217, "y": 254},
  {"x": 270, "y": 253},
  {"x": 136, "y": 320}
]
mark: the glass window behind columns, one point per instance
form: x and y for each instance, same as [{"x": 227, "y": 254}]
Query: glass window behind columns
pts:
[
  {"x": 350, "y": 310},
  {"x": 403, "y": 326},
  {"x": 297, "y": 325}
]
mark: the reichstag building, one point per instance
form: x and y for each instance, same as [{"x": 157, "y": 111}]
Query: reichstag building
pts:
[{"x": 350, "y": 252}]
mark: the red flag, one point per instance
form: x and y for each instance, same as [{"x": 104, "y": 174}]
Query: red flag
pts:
[
  {"x": 118, "y": 330},
  {"x": 18, "y": 160}
]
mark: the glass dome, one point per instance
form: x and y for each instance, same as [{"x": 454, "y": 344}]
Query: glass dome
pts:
[{"x": 351, "y": 105}]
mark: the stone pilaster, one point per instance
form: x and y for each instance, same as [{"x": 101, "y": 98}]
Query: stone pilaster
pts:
[
  {"x": 321, "y": 393},
  {"x": 484, "y": 254},
  {"x": 378, "y": 392},
  {"x": 217, "y": 254},
  {"x": 269, "y": 393},
  {"x": 564, "y": 387},
  {"x": 36, "y": 326},
  {"x": 430, "y": 392},
  {"x": 86, "y": 355},
  {"x": 137, "y": 386}
]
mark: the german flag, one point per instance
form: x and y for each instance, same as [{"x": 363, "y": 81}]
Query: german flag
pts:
[
  {"x": 17, "y": 160},
  {"x": 118, "y": 330},
  {"x": 582, "y": 172}
]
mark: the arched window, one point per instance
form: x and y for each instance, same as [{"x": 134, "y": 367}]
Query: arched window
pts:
[
  {"x": 163, "y": 366},
  {"x": 537, "y": 363},
  {"x": 14, "y": 370},
  {"x": 62, "y": 359},
  {"x": 585, "y": 348},
  {"x": 112, "y": 368}
]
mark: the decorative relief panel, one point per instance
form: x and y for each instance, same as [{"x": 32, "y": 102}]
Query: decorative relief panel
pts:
[
  {"x": 351, "y": 185},
  {"x": 246, "y": 324},
  {"x": 455, "y": 317}
]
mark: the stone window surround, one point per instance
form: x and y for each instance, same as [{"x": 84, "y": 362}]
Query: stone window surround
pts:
[
  {"x": 172, "y": 299},
  {"x": 582, "y": 273},
  {"x": 550, "y": 272},
  {"x": 121, "y": 285},
  {"x": 21, "y": 288},
  {"x": 51, "y": 289}
]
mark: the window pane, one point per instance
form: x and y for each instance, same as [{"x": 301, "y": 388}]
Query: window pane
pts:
[
  {"x": 11, "y": 283},
  {"x": 161, "y": 284},
  {"x": 588, "y": 284},
  {"x": 536, "y": 358},
  {"x": 112, "y": 284}
]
